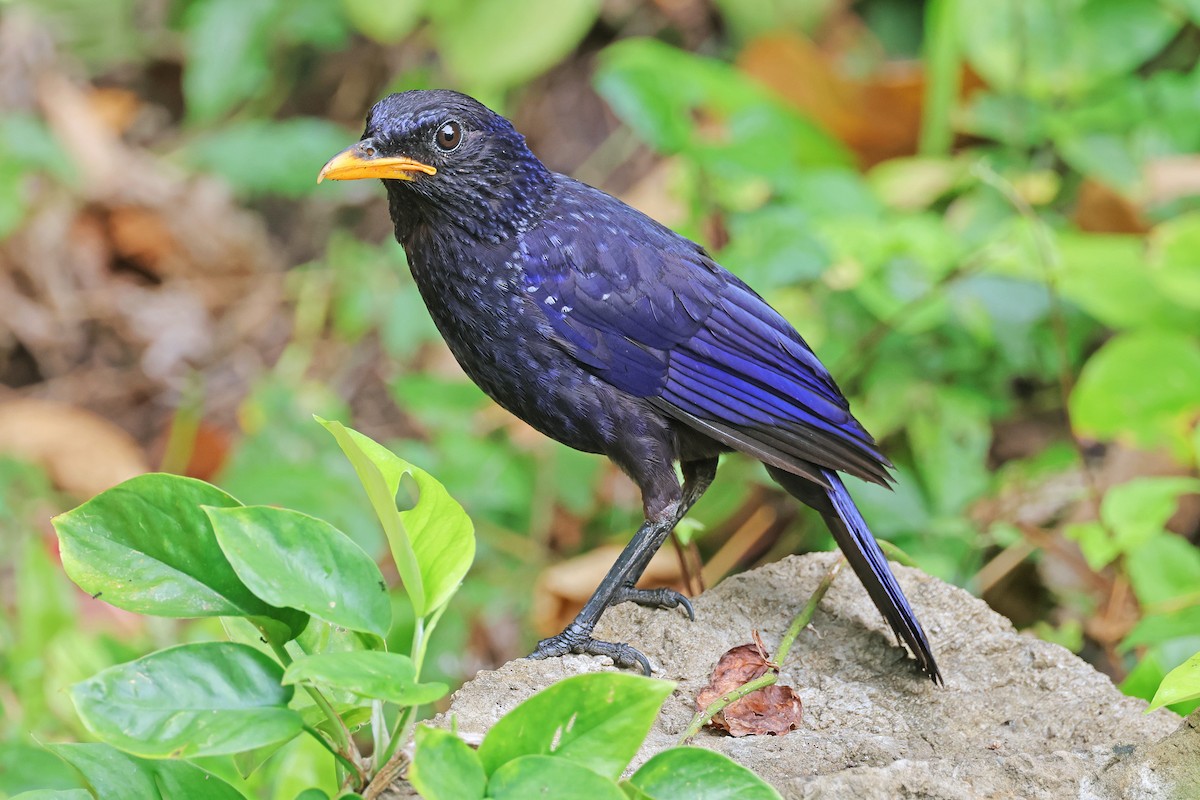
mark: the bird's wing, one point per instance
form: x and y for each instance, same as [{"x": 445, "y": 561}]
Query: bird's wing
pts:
[{"x": 653, "y": 315}]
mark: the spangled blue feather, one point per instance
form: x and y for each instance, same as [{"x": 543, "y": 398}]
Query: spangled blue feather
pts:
[{"x": 656, "y": 317}]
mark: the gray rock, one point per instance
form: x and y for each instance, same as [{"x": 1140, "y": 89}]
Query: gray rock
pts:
[{"x": 1017, "y": 718}]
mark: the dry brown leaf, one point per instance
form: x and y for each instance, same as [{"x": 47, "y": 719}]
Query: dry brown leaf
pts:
[
  {"x": 141, "y": 236},
  {"x": 562, "y": 589},
  {"x": 774, "y": 710},
  {"x": 879, "y": 117},
  {"x": 83, "y": 453},
  {"x": 1100, "y": 209},
  {"x": 117, "y": 108}
]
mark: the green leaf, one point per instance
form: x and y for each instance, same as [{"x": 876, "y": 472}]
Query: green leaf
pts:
[
  {"x": 54, "y": 794},
  {"x": 386, "y": 23},
  {"x": 312, "y": 794},
  {"x": 1174, "y": 259},
  {"x": 146, "y": 546},
  {"x": 547, "y": 776},
  {"x": 211, "y": 698},
  {"x": 226, "y": 47},
  {"x": 1142, "y": 385},
  {"x": 1133, "y": 513},
  {"x": 445, "y": 767},
  {"x": 296, "y": 561},
  {"x": 694, "y": 773},
  {"x": 1066, "y": 47},
  {"x": 1180, "y": 685},
  {"x": 1106, "y": 276},
  {"x": 114, "y": 775},
  {"x": 297, "y": 750},
  {"x": 915, "y": 182},
  {"x": 433, "y": 543},
  {"x": 369, "y": 674},
  {"x": 657, "y": 89},
  {"x": 477, "y": 39},
  {"x": 268, "y": 157},
  {"x": 1158, "y": 628},
  {"x": 1099, "y": 548},
  {"x": 1163, "y": 569},
  {"x": 597, "y": 720},
  {"x": 1138, "y": 510},
  {"x": 24, "y": 767},
  {"x": 322, "y": 637},
  {"x": 950, "y": 438}
]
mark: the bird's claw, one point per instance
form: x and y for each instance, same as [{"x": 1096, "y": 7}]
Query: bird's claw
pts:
[
  {"x": 573, "y": 640},
  {"x": 654, "y": 598}
]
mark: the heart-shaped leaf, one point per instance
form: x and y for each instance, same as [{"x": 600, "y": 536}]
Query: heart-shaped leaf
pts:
[
  {"x": 547, "y": 776},
  {"x": 433, "y": 543},
  {"x": 597, "y": 720},
  {"x": 367, "y": 673},
  {"x": 114, "y": 775},
  {"x": 684, "y": 773},
  {"x": 293, "y": 560},
  {"x": 211, "y": 698},
  {"x": 445, "y": 767},
  {"x": 147, "y": 546}
]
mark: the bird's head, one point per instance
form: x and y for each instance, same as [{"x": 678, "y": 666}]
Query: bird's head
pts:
[{"x": 446, "y": 159}]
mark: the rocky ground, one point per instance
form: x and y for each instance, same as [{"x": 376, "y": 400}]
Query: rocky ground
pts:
[{"x": 1017, "y": 718}]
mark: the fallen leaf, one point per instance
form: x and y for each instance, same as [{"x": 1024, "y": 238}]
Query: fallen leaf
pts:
[
  {"x": 773, "y": 710},
  {"x": 561, "y": 590},
  {"x": 1099, "y": 209},
  {"x": 879, "y": 117},
  {"x": 117, "y": 108},
  {"x": 82, "y": 452}
]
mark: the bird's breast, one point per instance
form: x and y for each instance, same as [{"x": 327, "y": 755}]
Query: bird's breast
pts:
[{"x": 483, "y": 302}]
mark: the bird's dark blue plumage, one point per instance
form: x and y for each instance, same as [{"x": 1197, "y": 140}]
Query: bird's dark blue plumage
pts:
[{"x": 611, "y": 333}]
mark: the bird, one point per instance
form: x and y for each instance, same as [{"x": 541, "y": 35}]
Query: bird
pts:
[{"x": 609, "y": 332}]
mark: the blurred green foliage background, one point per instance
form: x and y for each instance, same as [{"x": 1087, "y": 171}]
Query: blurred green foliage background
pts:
[{"x": 983, "y": 216}]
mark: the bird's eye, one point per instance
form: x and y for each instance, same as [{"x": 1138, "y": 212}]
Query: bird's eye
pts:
[{"x": 449, "y": 136}]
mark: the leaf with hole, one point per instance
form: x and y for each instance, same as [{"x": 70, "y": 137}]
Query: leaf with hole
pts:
[{"x": 433, "y": 543}]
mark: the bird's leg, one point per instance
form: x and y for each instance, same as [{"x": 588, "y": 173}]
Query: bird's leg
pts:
[
  {"x": 617, "y": 585},
  {"x": 577, "y": 637},
  {"x": 697, "y": 477}
]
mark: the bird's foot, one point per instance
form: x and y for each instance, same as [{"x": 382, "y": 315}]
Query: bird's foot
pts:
[
  {"x": 654, "y": 598},
  {"x": 576, "y": 640}
]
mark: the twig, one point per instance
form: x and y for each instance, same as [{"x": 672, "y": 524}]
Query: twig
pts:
[
  {"x": 806, "y": 614},
  {"x": 799, "y": 623}
]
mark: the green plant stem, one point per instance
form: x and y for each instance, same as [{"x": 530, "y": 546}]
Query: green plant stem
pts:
[
  {"x": 379, "y": 730},
  {"x": 942, "y": 70},
  {"x": 702, "y": 718},
  {"x": 893, "y": 553},
  {"x": 341, "y": 734},
  {"x": 349, "y": 765},
  {"x": 392, "y": 761},
  {"x": 799, "y": 623},
  {"x": 185, "y": 426}
]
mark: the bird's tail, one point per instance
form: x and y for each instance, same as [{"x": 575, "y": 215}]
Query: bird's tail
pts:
[{"x": 862, "y": 551}]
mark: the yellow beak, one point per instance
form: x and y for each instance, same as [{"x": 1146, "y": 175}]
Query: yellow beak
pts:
[{"x": 359, "y": 161}]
